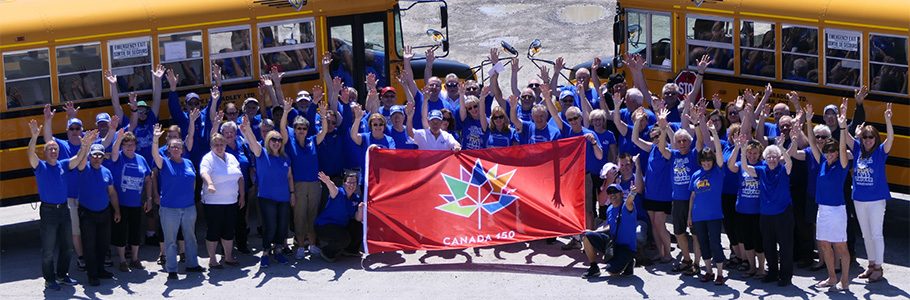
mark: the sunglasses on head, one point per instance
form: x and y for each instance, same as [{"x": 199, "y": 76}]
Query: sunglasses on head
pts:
[{"x": 533, "y": 85}]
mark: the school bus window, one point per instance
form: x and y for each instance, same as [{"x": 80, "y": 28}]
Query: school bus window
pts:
[
  {"x": 342, "y": 53},
  {"x": 182, "y": 52},
  {"x": 230, "y": 48},
  {"x": 131, "y": 62},
  {"x": 842, "y": 57},
  {"x": 289, "y": 45},
  {"x": 757, "y": 49},
  {"x": 374, "y": 48},
  {"x": 638, "y": 32},
  {"x": 888, "y": 63},
  {"x": 799, "y": 50},
  {"x": 27, "y": 78},
  {"x": 712, "y": 36},
  {"x": 79, "y": 72},
  {"x": 661, "y": 41}
]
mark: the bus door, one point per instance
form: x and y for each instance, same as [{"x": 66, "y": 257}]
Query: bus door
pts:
[{"x": 358, "y": 47}]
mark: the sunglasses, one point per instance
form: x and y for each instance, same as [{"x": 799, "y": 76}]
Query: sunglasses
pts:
[
  {"x": 143, "y": 111},
  {"x": 671, "y": 93},
  {"x": 821, "y": 137},
  {"x": 868, "y": 137},
  {"x": 301, "y": 128},
  {"x": 533, "y": 85},
  {"x": 74, "y": 128},
  {"x": 572, "y": 119},
  {"x": 377, "y": 124},
  {"x": 471, "y": 89},
  {"x": 97, "y": 155},
  {"x": 472, "y": 107},
  {"x": 452, "y": 85},
  {"x": 831, "y": 151},
  {"x": 568, "y": 100},
  {"x": 274, "y": 140},
  {"x": 193, "y": 103},
  {"x": 499, "y": 117},
  {"x": 527, "y": 97}
]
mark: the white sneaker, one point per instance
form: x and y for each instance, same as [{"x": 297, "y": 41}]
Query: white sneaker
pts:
[
  {"x": 301, "y": 253},
  {"x": 315, "y": 250}
]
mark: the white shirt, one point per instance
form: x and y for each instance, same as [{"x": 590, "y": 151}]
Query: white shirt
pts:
[
  {"x": 224, "y": 173},
  {"x": 426, "y": 141}
]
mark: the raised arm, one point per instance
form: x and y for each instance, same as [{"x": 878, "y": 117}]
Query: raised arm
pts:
[
  {"x": 407, "y": 74},
  {"x": 636, "y": 63},
  {"x": 49, "y": 122},
  {"x": 323, "y": 130},
  {"x": 213, "y": 106},
  {"x": 636, "y": 135},
  {"x": 513, "y": 112},
  {"x": 734, "y": 155},
  {"x": 859, "y": 115},
  {"x": 355, "y": 130},
  {"x": 428, "y": 68},
  {"x": 744, "y": 163},
  {"x": 424, "y": 111},
  {"x": 134, "y": 112},
  {"x": 276, "y": 85},
  {"x": 842, "y": 123},
  {"x": 109, "y": 137},
  {"x": 718, "y": 151},
  {"x": 889, "y": 128},
  {"x": 288, "y": 106},
  {"x": 557, "y": 69},
  {"x": 115, "y": 95},
  {"x": 115, "y": 150},
  {"x": 585, "y": 106},
  {"x": 702, "y": 65},
  {"x": 156, "y": 156},
  {"x": 595, "y": 80},
  {"x": 482, "y": 106},
  {"x": 157, "y": 74},
  {"x": 513, "y": 80},
  {"x": 813, "y": 146},
  {"x": 785, "y": 155},
  {"x": 333, "y": 189},
  {"x": 35, "y": 130},
  {"x": 621, "y": 126},
  {"x": 842, "y": 150},
  {"x": 545, "y": 92},
  {"x": 173, "y": 101},
  {"x": 665, "y": 128},
  {"x": 409, "y": 111},
  {"x": 462, "y": 109},
  {"x": 191, "y": 132},
  {"x": 250, "y": 138}
]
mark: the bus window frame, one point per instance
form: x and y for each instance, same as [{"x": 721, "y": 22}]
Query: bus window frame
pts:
[
  {"x": 213, "y": 56},
  {"x": 862, "y": 42},
  {"x": 649, "y": 14},
  {"x": 164, "y": 63},
  {"x": 103, "y": 81},
  {"x": 153, "y": 45},
  {"x": 299, "y": 46},
  {"x": 870, "y": 62},
  {"x": 49, "y": 77},
  {"x": 710, "y": 44},
  {"x": 740, "y": 49},
  {"x": 783, "y": 51}
]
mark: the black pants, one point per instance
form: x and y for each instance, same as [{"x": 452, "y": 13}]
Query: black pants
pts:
[
  {"x": 56, "y": 238},
  {"x": 803, "y": 231},
  {"x": 777, "y": 231},
  {"x": 333, "y": 239},
  {"x": 129, "y": 230},
  {"x": 221, "y": 221},
  {"x": 355, "y": 230},
  {"x": 728, "y": 204},
  {"x": 96, "y": 238}
]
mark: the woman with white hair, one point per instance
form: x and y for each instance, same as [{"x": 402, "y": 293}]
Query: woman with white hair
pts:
[{"x": 775, "y": 210}]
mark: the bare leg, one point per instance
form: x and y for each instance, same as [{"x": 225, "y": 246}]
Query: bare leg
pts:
[
  {"x": 121, "y": 252},
  {"x": 589, "y": 250},
  {"x": 844, "y": 255},
  {"x": 761, "y": 264},
  {"x": 212, "y": 247},
  {"x": 828, "y": 257},
  {"x": 228, "y": 246},
  {"x": 682, "y": 241}
]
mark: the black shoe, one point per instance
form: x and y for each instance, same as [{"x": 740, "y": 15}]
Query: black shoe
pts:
[
  {"x": 66, "y": 280},
  {"x": 593, "y": 271},
  {"x": 172, "y": 276},
  {"x": 196, "y": 269},
  {"x": 94, "y": 282},
  {"x": 162, "y": 260},
  {"x": 51, "y": 285},
  {"x": 182, "y": 258},
  {"x": 630, "y": 268},
  {"x": 104, "y": 274},
  {"x": 80, "y": 264},
  {"x": 771, "y": 277},
  {"x": 551, "y": 241},
  {"x": 108, "y": 262},
  {"x": 242, "y": 248},
  {"x": 784, "y": 282}
]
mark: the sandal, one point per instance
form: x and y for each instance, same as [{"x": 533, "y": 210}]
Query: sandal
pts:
[
  {"x": 743, "y": 267},
  {"x": 760, "y": 275},
  {"x": 706, "y": 277},
  {"x": 750, "y": 273},
  {"x": 216, "y": 266},
  {"x": 877, "y": 274},
  {"x": 692, "y": 271},
  {"x": 683, "y": 266},
  {"x": 720, "y": 280},
  {"x": 824, "y": 284},
  {"x": 231, "y": 262},
  {"x": 869, "y": 269}
]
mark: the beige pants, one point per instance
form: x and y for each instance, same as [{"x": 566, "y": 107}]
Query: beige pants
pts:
[
  {"x": 308, "y": 195},
  {"x": 73, "y": 204}
]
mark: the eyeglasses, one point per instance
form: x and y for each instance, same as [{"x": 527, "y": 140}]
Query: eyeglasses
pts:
[
  {"x": 74, "y": 128},
  {"x": 472, "y": 107},
  {"x": 567, "y": 100},
  {"x": 533, "y": 85},
  {"x": 377, "y": 124},
  {"x": 820, "y": 137},
  {"x": 193, "y": 103},
  {"x": 274, "y": 140},
  {"x": 868, "y": 137},
  {"x": 98, "y": 155},
  {"x": 572, "y": 119},
  {"x": 143, "y": 111},
  {"x": 452, "y": 84},
  {"x": 527, "y": 97},
  {"x": 499, "y": 117},
  {"x": 671, "y": 93},
  {"x": 301, "y": 128},
  {"x": 471, "y": 89}
]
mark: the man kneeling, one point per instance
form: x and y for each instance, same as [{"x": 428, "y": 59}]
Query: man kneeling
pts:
[{"x": 619, "y": 227}]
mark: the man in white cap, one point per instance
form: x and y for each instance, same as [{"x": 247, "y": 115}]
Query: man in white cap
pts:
[{"x": 433, "y": 138}]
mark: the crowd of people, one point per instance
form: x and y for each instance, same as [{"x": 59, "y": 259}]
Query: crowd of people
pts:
[{"x": 746, "y": 167}]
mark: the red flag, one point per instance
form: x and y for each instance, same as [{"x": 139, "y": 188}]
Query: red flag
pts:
[{"x": 434, "y": 200}]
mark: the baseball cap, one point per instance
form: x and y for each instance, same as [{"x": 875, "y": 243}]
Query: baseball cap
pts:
[
  {"x": 606, "y": 168},
  {"x": 397, "y": 109},
  {"x": 191, "y": 96},
  {"x": 103, "y": 117},
  {"x": 141, "y": 104},
  {"x": 96, "y": 148},
  {"x": 830, "y": 107},
  {"x": 73, "y": 121},
  {"x": 303, "y": 95},
  {"x": 566, "y": 93},
  {"x": 435, "y": 114},
  {"x": 614, "y": 188},
  {"x": 250, "y": 100},
  {"x": 615, "y": 78},
  {"x": 386, "y": 89}
]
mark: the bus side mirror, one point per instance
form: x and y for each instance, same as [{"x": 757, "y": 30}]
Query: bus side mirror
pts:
[
  {"x": 619, "y": 30},
  {"x": 443, "y": 17},
  {"x": 445, "y": 46}
]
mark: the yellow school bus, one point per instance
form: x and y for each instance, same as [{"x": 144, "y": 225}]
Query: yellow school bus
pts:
[
  {"x": 55, "y": 51},
  {"x": 822, "y": 49}
]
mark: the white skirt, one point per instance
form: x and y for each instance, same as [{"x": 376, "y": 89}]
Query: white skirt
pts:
[{"x": 831, "y": 224}]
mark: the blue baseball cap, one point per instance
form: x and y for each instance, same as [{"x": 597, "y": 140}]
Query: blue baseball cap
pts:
[
  {"x": 397, "y": 109},
  {"x": 73, "y": 121},
  {"x": 566, "y": 93},
  {"x": 435, "y": 114},
  {"x": 192, "y": 96},
  {"x": 103, "y": 117},
  {"x": 614, "y": 188}
]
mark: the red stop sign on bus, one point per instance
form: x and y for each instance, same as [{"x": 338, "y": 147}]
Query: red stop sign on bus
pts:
[{"x": 686, "y": 81}]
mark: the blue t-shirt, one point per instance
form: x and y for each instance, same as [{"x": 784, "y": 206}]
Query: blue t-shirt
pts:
[
  {"x": 530, "y": 134},
  {"x": 144, "y": 134},
  {"x": 524, "y": 115},
  {"x": 639, "y": 201},
  {"x": 331, "y": 153},
  {"x": 51, "y": 180},
  {"x": 683, "y": 167},
  {"x": 93, "y": 185},
  {"x": 68, "y": 150},
  {"x": 624, "y": 233},
  {"x": 498, "y": 139},
  {"x": 812, "y": 169},
  {"x": 272, "y": 174},
  {"x": 775, "y": 189},
  {"x": 367, "y": 139},
  {"x": 748, "y": 196},
  {"x": 401, "y": 138},
  {"x": 771, "y": 130},
  {"x": 591, "y": 160},
  {"x": 626, "y": 116},
  {"x": 178, "y": 181},
  {"x": 830, "y": 179},
  {"x": 304, "y": 160},
  {"x": 338, "y": 210},
  {"x": 353, "y": 153},
  {"x": 239, "y": 151},
  {"x": 658, "y": 177},
  {"x": 472, "y": 134},
  {"x": 707, "y": 186},
  {"x": 129, "y": 179},
  {"x": 626, "y": 145},
  {"x": 592, "y": 164},
  {"x": 869, "y": 181},
  {"x": 731, "y": 180}
]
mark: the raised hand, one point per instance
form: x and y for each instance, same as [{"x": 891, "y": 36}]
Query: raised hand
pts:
[
  {"x": 860, "y": 94},
  {"x": 617, "y": 100},
  {"x": 596, "y": 64},
  {"x": 216, "y": 73},
  {"x": 842, "y": 118},
  {"x": 157, "y": 132},
  {"x": 409, "y": 109},
  {"x": 134, "y": 104},
  {"x": 219, "y": 116},
  {"x": 326, "y": 59},
  {"x": 194, "y": 115},
  {"x": 515, "y": 66},
  {"x": 158, "y": 72},
  {"x": 461, "y": 89},
  {"x": 357, "y": 110},
  {"x": 115, "y": 121},
  {"x": 371, "y": 82},
  {"x": 71, "y": 109},
  {"x": 265, "y": 81},
  {"x": 337, "y": 85},
  {"x": 662, "y": 118},
  {"x": 215, "y": 93},
  {"x": 703, "y": 63},
  {"x": 544, "y": 73},
  {"x": 749, "y": 96},
  {"x": 888, "y": 112},
  {"x": 634, "y": 61},
  {"x": 317, "y": 93},
  {"x": 34, "y": 128},
  {"x": 288, "y": 104},
  {"x": 431, "y": 55},
  {"x": 275, "y": 75},
  {"x": 48, "y": 112},
  {"x": 769, "y": 90},
  {"x": 858, "y": 130},
  {"x": 513, "y": 101},
  {"x": 345, "y": 95},
  {"x": 324, "y": 178},
  {"x": 810, "y": 114},
  {"x": 545, "y": 92},
  {"x": 715, "y": 100},
  {"x": 408, "y": 53},
  {"x": 172, "y": 78},
  {"x": 559, "y": 64},
  {"x": 494, "y": 55},
  {"x": 793, "y": 96},
  {"x": 111, "y": 78},
  {"x": 90, "y": 137}
]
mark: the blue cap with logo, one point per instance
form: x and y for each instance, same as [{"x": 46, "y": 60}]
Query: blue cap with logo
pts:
[
  {"x": 435, "y": 114},
  {"x": 103, "y": 117},
  {"x": 72, "y": 121},
  {"x": 397, "y": 109},
  {"x": 96, "y": 149}
]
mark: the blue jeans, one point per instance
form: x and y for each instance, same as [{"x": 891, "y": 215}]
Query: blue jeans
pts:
[
  {"x": 708, "y": 233},
  {"x": 56, "y": 232},
  {"x": 184, "y": 219},
  {"x": 274, "y": 218}
]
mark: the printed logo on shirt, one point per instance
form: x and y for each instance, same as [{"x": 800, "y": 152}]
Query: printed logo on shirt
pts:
[
  {"x": 128, "y": 182},
  {"x": 750, "y": 187},
  {"x": 473, "y": 140},
  {"x": 478, "y": 189},
  {"x": 863, "y": 174},
  {"x": 681, "y": 174},
  {"x": 703, "y": 185}
]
